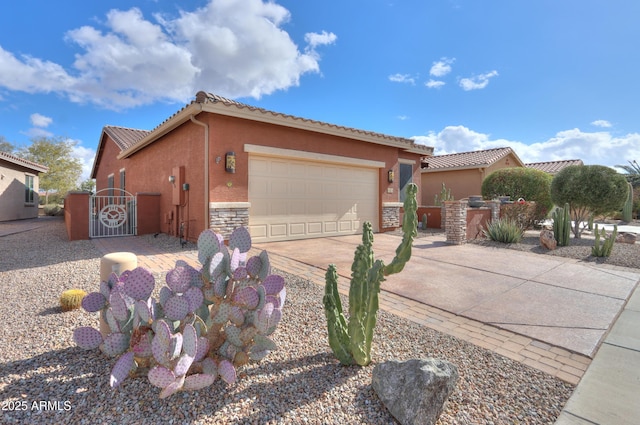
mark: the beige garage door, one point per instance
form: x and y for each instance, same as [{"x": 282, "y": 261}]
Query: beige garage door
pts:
[{"x": 299, "y": 199}]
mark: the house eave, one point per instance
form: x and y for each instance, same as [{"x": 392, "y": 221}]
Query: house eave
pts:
[{"x": 166, "y": 127}]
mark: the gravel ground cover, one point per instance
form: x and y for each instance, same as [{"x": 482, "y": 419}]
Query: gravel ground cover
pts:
[
  {"x": 46, "y": 379},
  {"x": 622, "y": 254}
]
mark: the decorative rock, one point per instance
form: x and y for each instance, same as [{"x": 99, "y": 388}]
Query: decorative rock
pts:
[
  {"x": 547, "y": 240},
  {"x": 627, "y": 237},
  {"x": 415, "y": 391}
]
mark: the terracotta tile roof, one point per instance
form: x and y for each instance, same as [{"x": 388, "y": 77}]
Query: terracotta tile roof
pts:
[
  {"x": 23, "y": 162},
  {"x": 465, "y": 160},
  {"x": 203, "y": 97},
  {"x": 125, "y": 137},
  {"x": 552, "y": 167}
]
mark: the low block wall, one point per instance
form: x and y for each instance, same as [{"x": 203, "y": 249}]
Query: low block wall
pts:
[{"x": 434, "y": 216}]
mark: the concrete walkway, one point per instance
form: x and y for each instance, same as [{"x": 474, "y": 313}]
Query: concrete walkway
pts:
[{"x": 547, "y": 312}]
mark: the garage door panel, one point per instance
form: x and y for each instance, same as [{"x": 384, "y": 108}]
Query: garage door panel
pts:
[{"x": 294, "y": 199}]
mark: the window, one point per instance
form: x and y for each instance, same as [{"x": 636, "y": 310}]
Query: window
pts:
[
  {"x": 110, "y": 188},
  {"x": 122, "y": 182},
  {"x": 29, "y": 194},
  {"x": 406, "y": 177}
]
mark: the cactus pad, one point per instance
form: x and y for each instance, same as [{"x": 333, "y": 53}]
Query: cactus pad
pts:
[
  {"x": 198, "y": 381},
  {"x": 246, "y": 297},
  {"x": 254, "y": 264},
  {"x": 273, "y": 284},
  {"x": 115, "y": 343},
  {"x": 208, "y": 245},
  {"x": 233, "y": 336},
  {"x": 227, "y": 371},
  {"x": 165, "y": 346},
  {"x": 161, "y": 377},
  {"x": 194, "y": 298},
  {"x": 87, "y": 337},
  {"x": 219, "y": 264},
  {"x": 236, "y": 316},
  {"x": 118, "y": 306},
  {"x": 139, "y": 284},
  {"x": 121, "y": 369},
  {"x": 189, "y": 340},
  {"x": 179, "y": 279},
  {"x": 183, "y": 364},
  {"x": 176, "y": 307},
  {"x": 202, "y": 348},
  {"x": 241, "y": 239},
  {"x": 93, "y": 302},
  {"x": 172, "y": 388},
  {"x": 209, "y": 366}
]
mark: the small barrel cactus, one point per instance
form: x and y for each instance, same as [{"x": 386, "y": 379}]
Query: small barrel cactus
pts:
[
  {"x": 71, "y": 299},
  {"x": 205, "y": 323},
  {"x": 351, "y": 341}
]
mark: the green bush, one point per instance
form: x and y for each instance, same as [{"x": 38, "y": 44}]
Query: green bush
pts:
[
  {"x": 53, "y": 210},
  {"x": 504, "y": 230},
  {"x": 527, "y": 183},
  {"x": 588, "y": 189},
  {"x": 523, "y": 214}
]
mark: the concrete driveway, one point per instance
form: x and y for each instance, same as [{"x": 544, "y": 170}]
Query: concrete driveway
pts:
[{"x": 564, "y": 302}]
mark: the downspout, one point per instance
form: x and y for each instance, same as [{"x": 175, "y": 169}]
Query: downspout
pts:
[{"x": 206, "y": 168}]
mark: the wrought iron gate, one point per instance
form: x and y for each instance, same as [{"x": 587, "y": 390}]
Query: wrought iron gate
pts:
[{"x": 112, "y": 212}]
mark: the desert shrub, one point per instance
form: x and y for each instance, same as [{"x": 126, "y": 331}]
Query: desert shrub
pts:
[
  {"x": 527, "y": 183},
  {"x": 523, "y": 214},
  {"x": 588, "y": 189},
  {"x": 52, "y": 210},
  {"x": 503, "y": 230}
]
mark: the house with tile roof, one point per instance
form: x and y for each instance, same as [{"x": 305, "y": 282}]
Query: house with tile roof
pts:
[
  {"x": 553, "y": 167},
  {"x": 463, "y": 172},
  {"x": 219, "y": 164},
  {"x": 19, "y": 184}
]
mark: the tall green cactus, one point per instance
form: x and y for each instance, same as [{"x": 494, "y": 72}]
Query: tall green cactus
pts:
[
  {"x": 604, "y": 249},
  {"x": 561, "y": 225},
  {"x": 351, "y": 342},
  {"x": 628, "y": 206}
]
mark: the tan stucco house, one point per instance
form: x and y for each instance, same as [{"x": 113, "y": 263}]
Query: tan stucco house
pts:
[
  {"x": 218, "y": 164},
  {"x": 19, "y": 186},
  {"x": 463, "y": 172}
]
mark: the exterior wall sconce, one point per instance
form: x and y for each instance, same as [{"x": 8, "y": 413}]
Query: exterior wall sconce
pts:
[
  {"x": 230, "y": 162},
  {"x": 172, "y": 179},
  {"x": 390, "y": 176}
]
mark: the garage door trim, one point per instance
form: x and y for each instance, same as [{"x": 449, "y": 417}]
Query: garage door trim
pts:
[{"x": 312, "y": 156}]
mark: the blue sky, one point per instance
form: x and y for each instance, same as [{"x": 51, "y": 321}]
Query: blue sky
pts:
[{"x": 552, "y": 79}]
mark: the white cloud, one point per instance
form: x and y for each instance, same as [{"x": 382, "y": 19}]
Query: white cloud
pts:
[
  {"x": 600, "y": 148},
  {"x": 434, "y": 84},
  {"x": 234, "y": 49},
  {"x": 441, "y": 67},
  {"x": 86, "y": 156},
  {"x": 601, "y": 123},
  {"x": 402, "y": 78},
  {"x": 39, "y": 120},
  {"x": 478, "y": 82}
]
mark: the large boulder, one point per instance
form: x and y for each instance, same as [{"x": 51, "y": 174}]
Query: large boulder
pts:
[
  {"x": 415, "y": 391},
  {"x": 547, "y": 239},
  {"x": 627, "y": 237}
]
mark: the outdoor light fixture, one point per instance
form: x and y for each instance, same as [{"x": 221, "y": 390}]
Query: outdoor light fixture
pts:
[
  {"x": 390, "y": 176},
  {"x": 172, "y": 179},
  {"x": 230, "y": 162}
]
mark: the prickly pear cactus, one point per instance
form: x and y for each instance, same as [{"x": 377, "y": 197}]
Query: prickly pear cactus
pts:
[
  {"x": 205, "y": 323},
  {"x": 351, "y": 341}
]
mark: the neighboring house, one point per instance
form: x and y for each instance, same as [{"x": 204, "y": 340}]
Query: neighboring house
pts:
[
  {"x": 463, "y": 172},
  {"x": 18, "y": 187},
  {"x": 553, "y": 167},
  {"x": 219, "y": 164}
]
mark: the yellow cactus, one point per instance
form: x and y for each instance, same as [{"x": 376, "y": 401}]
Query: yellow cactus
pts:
[{"x": 71, "y": 299}]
